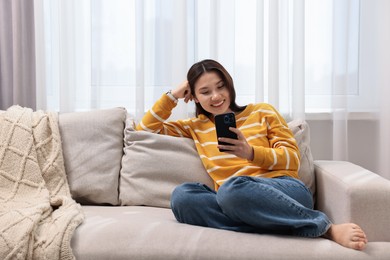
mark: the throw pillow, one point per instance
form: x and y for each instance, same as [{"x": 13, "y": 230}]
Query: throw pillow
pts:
[
  {"x": 153, "y": 165},
  {"x": 301, "y": 132},
  {"x": 92, "y": 145}
]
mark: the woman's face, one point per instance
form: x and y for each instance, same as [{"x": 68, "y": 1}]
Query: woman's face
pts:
[{"x": 212, "y": 94}]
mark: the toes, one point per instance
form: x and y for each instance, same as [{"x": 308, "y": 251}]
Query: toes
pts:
[
  {"x": 360, "y": 246},
  {"x": 348, "y": 235},
  {"x": 358, "y": 241}
]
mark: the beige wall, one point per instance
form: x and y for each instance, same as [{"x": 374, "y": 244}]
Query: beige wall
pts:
[{"x": 363, "y": 141}]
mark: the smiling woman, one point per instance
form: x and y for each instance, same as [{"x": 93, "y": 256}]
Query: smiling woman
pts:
[{"x": 257, "y": 188}]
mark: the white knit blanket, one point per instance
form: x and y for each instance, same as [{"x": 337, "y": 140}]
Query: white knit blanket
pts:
[{"x": 37, "y": 214}]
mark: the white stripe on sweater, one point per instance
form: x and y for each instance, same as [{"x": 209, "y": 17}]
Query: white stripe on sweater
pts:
[
  {"x": 177, "y": 129},
  {"x": 287, "y": 158},
  {"x": 213, "y": 169},
  {"x": 237, "y": 173},
  {"x": 156, "y": 116},
  {"x": 218, "y": 157},
  {"x": 205, "y": 143},
  {"x": 204, "y": 131},
  {"x": 255, "y": 137},
  {"x": 275, "y": 159},
  {"x": 146, "y": 128}
]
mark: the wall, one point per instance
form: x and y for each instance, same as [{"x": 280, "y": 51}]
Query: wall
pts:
[{"x": 362, "y": 139}]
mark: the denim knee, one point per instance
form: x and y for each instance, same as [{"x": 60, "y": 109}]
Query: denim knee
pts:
[
  {"x": 181, "y": 195},
  {"x": 232, "y": 194},
  {"x": 188, "y": 197}
]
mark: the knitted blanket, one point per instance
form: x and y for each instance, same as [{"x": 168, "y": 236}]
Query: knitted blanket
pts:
[{"x": 37, "y": 214}]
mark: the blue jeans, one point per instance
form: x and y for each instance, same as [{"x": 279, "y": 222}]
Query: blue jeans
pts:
[{"x": 249, "y": 204}]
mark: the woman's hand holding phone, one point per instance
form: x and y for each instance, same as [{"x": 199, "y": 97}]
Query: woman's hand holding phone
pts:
[
  {"x": 239, "y": 147},
  {"x": 230, "y": 139}
]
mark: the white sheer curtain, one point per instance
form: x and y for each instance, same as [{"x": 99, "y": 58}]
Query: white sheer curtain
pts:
[
  {"x": 381, "y": 79},
  {"x": 300, "y": 56},
  {"x": 104, "y": 53}
]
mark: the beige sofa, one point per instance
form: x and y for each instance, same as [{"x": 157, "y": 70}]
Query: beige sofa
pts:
[{"x": 123, "y": 179}]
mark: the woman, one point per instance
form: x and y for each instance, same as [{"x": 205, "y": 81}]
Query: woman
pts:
[{"x": 256, "y": 179}]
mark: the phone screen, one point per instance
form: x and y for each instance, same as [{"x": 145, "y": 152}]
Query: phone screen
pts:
[{"x": 222, "y": 124}]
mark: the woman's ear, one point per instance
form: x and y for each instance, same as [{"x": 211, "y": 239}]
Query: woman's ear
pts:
[{"x": 195, "y": 99}]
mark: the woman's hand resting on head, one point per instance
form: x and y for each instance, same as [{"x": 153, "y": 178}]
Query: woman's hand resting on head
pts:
[
  {"x": 239, "y": 147},
  {"x": 183, "y": 91}
]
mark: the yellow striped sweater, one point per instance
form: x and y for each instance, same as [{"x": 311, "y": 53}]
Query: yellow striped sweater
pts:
[{"x": 275, "y": 149}]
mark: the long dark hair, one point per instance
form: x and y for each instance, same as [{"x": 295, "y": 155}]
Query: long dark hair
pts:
[{"x": 204, "y": 66}]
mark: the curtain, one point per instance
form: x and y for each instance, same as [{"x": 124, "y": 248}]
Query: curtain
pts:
[
  {"x": 303, "y": 57},
  {"x": 103, "y": 53},
  {"x": 381, "y": 79},
  {"x": 17, "y": 56}
]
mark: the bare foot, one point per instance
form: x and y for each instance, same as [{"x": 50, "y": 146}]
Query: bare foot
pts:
[{"x": 349, "y": 235}]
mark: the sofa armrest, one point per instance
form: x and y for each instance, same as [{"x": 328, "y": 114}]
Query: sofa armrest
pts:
[{"x": 347, "y": 192}]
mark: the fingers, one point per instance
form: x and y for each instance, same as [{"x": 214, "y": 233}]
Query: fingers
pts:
[
  {"x": 229, "y": 141},
  {"x": 226, "y": 147},
  {"x": 187, "y": 96},
  {"x": 233, "y": 142},
  {"x": 239, "y": 150},
  {"x": 183, "y": 91},
  {"x": 240, "y": 135},
  {"x": 238, "y": 147}
]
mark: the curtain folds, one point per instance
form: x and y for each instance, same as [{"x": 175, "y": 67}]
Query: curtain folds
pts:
[
  {"x": 382, "y": 80},
  {"x": 301, "y": 56},
  {"x": 103, "y": 53},
  {"x": 17, "y": 56}
]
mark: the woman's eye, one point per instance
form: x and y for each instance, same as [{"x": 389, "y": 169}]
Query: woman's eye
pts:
[
  {"x": 204, "y": 93},
  {"x": 221, "y": 86}
]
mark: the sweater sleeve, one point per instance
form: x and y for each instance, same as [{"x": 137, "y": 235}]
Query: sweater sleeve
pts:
[
  {"x": 283, "y": 152},
  {"x": 155, "y": 119}
]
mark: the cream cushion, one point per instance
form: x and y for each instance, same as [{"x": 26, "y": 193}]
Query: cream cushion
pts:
[
  {"x": 153, "y": 233},
  {"x": 153, "y": 165},
  {"x": 301, "y": 132},
  {"x": 92, "y": 145}
]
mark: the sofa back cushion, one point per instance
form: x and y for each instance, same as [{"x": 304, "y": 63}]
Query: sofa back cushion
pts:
[
  {"x": 92, "y": 145},
  {"x": 153, "y": 165},
  {"x": 301, "y": 132}
]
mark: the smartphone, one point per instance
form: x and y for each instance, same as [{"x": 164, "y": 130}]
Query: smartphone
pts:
[{"x": 222, "y": 124}]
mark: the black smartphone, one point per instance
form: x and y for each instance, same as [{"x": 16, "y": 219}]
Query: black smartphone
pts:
[{"x": 222, "y": 124}]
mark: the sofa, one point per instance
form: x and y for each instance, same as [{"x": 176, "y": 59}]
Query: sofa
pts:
[{"x": 123, "y": 180}]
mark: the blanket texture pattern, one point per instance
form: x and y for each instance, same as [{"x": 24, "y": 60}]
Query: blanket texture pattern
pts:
[{"x": 37, "y": 214}]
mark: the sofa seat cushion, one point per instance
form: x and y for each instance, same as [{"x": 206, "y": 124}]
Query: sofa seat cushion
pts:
[{"x": 136, "y": 232}]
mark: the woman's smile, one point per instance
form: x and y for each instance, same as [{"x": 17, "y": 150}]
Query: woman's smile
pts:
[{"x": 218, "y": 104}]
